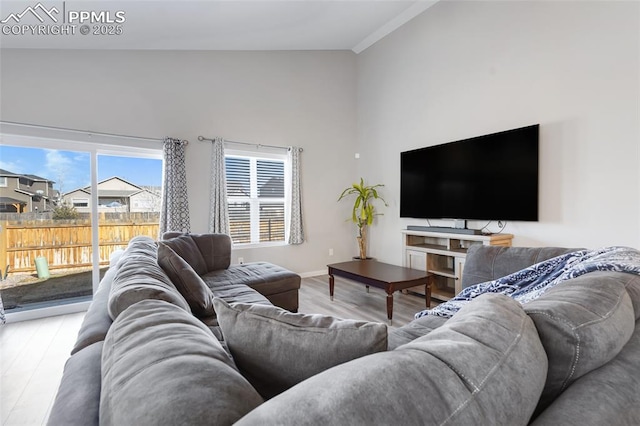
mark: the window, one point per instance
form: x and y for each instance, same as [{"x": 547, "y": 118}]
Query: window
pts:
[
  {"x": 80, "y": 202},
  {"x": 3, "y": 181},
  {"x": 256, "y": 196}
]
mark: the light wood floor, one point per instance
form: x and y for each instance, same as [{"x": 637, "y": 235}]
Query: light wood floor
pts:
[
  {"x": 32, "y": 356},
  {"x": 351, "y": 300},
  {"x": 33, "y": 353}
]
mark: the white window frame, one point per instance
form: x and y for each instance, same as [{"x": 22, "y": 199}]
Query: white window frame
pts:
[
  {"x": 254, "y": 201},
  {"x": 3, "y": 181}
]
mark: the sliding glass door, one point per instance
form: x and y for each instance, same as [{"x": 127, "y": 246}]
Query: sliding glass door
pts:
[
  {"x": 64, "y": 212},
  {"x": 45, "y": 243},
  {"x": 129, "y": 198}
]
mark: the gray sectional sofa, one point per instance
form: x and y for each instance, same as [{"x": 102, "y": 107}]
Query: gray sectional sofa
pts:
[{"x": 163, "y": 345}]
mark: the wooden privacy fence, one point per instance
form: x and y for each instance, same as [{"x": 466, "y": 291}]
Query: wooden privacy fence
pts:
[{"x": 67, "y": 243}]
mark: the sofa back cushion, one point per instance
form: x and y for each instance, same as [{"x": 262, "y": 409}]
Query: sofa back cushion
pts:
[
  {"x": 162, "y": 366},
  {"x": 97, "y": 321},
  {"x": 485, "y": 365},
  {"x": 605, "y": 396},
  {"x": 187, "y": 281},
  {"x": 139, "y": 277},
  {"x": 416, "y": 328},
  {"x": 276, "y": 349},
  {"x": 487, "y": 263},
  {"x": 583, "y": 323},
  {"x": 203, "y": 252}
]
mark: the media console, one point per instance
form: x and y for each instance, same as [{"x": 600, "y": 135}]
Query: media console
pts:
[{"x": 443, "y": 254}]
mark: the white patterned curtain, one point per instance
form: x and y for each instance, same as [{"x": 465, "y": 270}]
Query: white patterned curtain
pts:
[
  {"x": 296, "y": 231},
  {"x": 174, "y": 213},
  {"x": 219, "y": 209},
  {"x": 2, "y": 317}
]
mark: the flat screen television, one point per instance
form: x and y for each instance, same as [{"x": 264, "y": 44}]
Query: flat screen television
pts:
[{"x": 490, "y": 177}]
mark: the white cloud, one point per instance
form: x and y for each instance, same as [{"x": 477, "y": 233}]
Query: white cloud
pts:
[
  {"x": 57, "y": 162},
  {"x": 60, "y": 167},
  {"x": 12, "y": 166}
]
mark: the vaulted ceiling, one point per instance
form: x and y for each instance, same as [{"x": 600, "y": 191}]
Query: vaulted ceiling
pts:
[{"x": 206, "y": 25}]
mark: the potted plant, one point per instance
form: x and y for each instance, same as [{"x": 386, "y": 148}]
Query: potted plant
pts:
[{"x": 363, "y": 210}]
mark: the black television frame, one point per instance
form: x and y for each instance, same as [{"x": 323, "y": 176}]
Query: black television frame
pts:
[{"x": 488, "y": 177}]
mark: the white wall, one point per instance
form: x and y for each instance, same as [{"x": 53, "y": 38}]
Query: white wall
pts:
[
  {"x": 464, "y": 69},
  {"x": 307, "y": 99},
  {"x": 461, "y": 69}
]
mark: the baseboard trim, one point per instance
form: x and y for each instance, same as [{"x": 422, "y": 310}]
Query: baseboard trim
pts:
[{"x": 313, "y": 273}]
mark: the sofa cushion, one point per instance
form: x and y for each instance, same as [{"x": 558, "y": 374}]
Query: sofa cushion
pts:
[
  {"x": 233, "y": 293},
  {"x": 583, "y": 323},
  {"x": 187, "y": 281},
  {"x": 162, "y": 366},
  {"x": 77, "y": 402},
  {"x": 485, "y": 365},
  {"x": 139, "y": 277},
  {"x": 632, "y": 284},
  {"x": 606, "y": 396},
  {"x": 487, "y": 263},
  {"x": 275, "y": 349},
  {"x": 97, "y": 321},
  {"x": 204, "y": 252},
  {"x": 278, "y": 284},
  {"x": 264, "y": 277},
  {"x": 416, "y": 328},
  {"x": 187, "y": 249}
]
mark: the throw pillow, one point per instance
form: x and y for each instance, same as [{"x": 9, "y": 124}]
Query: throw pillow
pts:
[
  {"x": 276, "y": 349},
  {"x": 186, "y": 248},
  {"x": 187, "y": 281},
  {"x": 484, "y": 366}
]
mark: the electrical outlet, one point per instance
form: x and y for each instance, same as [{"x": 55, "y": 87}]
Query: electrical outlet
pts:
[
  {"x": 241, "y": 260},
  {"x": 330, "y": 252}
]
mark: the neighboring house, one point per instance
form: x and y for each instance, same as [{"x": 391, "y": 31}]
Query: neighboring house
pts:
[
  {"x": 23, "y": 193},
  {"x": 115, "y": 195}
]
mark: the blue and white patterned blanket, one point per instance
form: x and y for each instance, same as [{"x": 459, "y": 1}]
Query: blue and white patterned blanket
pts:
[{"x": 530, "y": 283}]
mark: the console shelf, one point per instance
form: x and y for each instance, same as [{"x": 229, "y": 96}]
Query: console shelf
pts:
[{"x": 443, "y": 254}]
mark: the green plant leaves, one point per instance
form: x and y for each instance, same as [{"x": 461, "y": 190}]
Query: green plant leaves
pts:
[{"x": 363, "y": 210}]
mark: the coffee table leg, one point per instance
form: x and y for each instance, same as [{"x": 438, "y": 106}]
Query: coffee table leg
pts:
[
  {"x": 427, "y": 291},
  {"x": 389, "y": 305},
  {"x": 331, "y": 283}
]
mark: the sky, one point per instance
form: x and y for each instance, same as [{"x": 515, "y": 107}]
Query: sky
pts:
[{"x": 70, "y": 169}]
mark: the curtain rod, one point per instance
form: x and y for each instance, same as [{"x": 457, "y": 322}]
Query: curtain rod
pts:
[
  {"x": 257, "y": 145},
  {"x": 87, "y": 132}
]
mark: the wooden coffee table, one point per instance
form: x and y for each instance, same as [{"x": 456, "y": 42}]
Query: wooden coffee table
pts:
[{"x": 388, "y": 277}]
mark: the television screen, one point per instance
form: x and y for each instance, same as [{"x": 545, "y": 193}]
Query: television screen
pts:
[{"x": 490, "y": 177}]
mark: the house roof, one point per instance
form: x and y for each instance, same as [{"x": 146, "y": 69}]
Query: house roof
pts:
[
  {"x": 114, "y": 193},
  {"x": 34, "y": 177},
  {"x": 77, "y": 190},
  {"x": 4, "y": 172},
  {"x": 31, "y": 193},
  {"x": 9, "y": 200},
  {"x": 7, "y": 173},
  {"x": 101, "y": 192}
]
